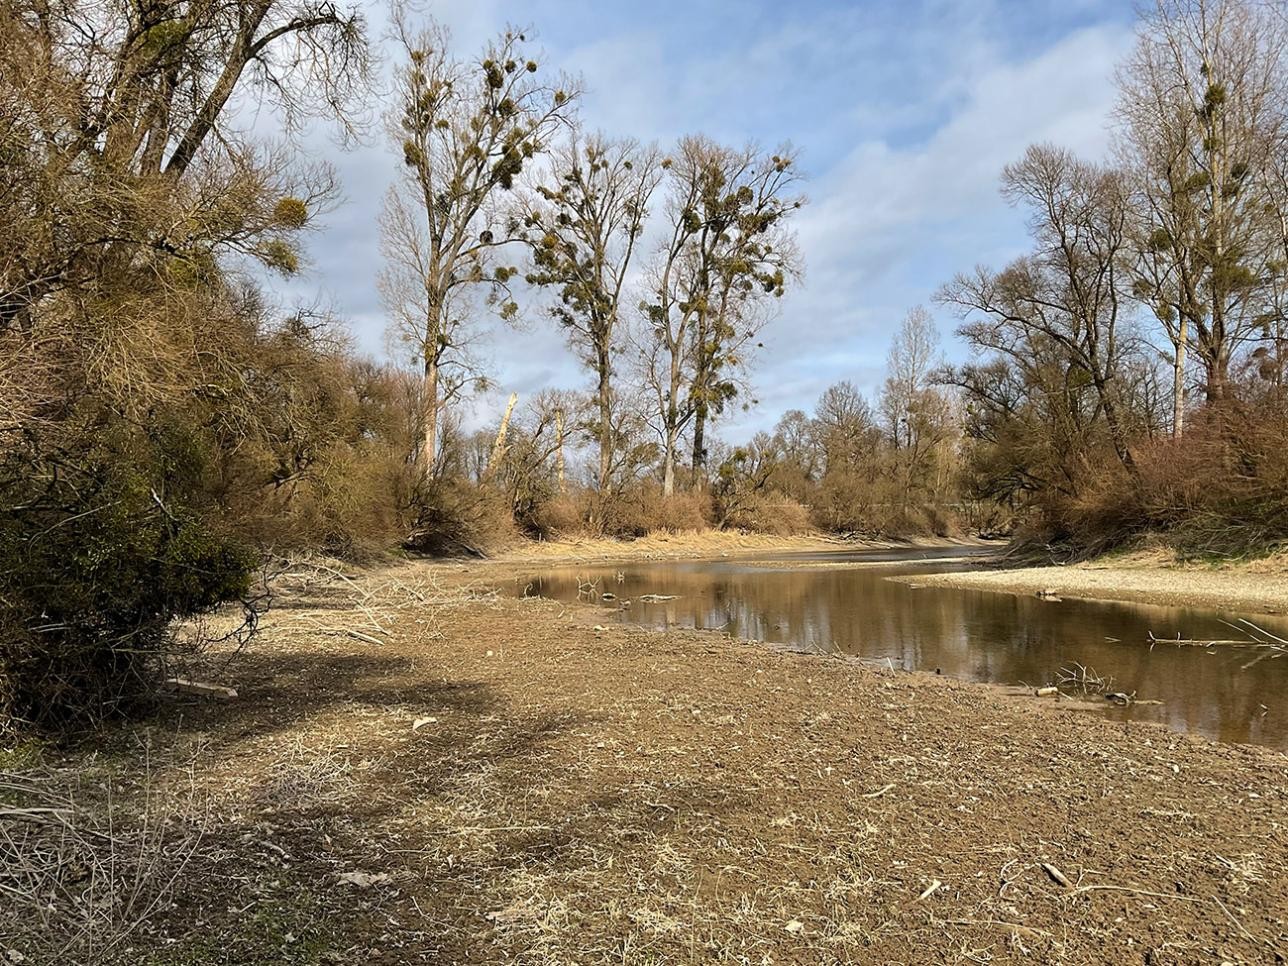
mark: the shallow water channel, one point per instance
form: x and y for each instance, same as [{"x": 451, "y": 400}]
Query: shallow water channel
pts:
[{"x": 831, "y": 602}]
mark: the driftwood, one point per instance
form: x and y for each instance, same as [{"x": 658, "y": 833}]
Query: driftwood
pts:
[
  {"x": 930, "y": 890},
  {"x": 202, "y": 689},
  {"x": 1201, "y": 642},
  {"x": 1256, "y": 637},
  {"x": 1055, "y": 875}
]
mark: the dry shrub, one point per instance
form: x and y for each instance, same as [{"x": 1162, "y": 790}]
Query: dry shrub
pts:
[
  {"x": 356, "y": 504},
  {"x": 988, "y": 518},
  {"x": 643, "y": 510},
  {"x": 564, "y": 515},
  {"x": 771, "y": 513},
  {"x": 939, "y": 521},
  {"x": 853, "y": 502},
  {"x": 105, "y": 540},
  {"x": 1104, "y": 513},
  {"x": 458, "y": 518},
  {"x": 1223, "y": 488},
  {"x": 1220, "y": 490}
]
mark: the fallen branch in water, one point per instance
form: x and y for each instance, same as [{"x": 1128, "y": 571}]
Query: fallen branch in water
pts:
[{"x": 1256, "y": 637}]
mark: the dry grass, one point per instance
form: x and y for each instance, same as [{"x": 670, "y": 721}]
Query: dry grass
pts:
[
  {"x": 501, "y": 782},
  {"x": 85, "y": 871}
]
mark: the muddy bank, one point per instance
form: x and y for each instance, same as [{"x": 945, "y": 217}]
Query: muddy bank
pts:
[
  {"x": 1246, "y": 589},
  {"x": 481, "y": 780}
]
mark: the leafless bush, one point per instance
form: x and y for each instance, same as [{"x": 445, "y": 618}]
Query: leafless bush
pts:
[
  {"x": 643, "y": 509},
  {"x": 770, "y": 513},
  {"x": 456, "y": 517},
  {"x": 1080, "y": 679},
  {"x": 1218, "y": 491},
  {"x": 79, "y": 881}
]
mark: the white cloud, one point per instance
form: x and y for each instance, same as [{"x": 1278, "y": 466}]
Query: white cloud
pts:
[{"x": 887, "y": 225}]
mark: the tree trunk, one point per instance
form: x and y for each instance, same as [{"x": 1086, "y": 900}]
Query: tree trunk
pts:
[
  {"x": 699, "y": 443},
  {"x": 1116, "y": 434},
  {"x": 701, "y": 393},
  {"x": 672, "y": 423},
  {"x": 668, "y": 464},
  {"x": 605, "y": 419},
  {"x": 1218, "y": 377},
  {"x": 243, "y": 49},
  {"x": 498, "y": 448},
  {"x": 1178, "y": 382},
  {"x": 559, "y": 454},
  {"x": 429, "y": 420}
]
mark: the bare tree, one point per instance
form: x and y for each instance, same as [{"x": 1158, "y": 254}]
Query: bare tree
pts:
[
  {"x": 1201, "y": 111},
  {"x": 583, "y": 231},
  {"x": 103, "y": 99},
  {"x": 466, "y": 130},
  {"x": 915, "y": 410},
  {"x": 1067, "y": 294},
  {"x": 845, "y": 428},
  {"x": 909, "y": 364},
  {"x": 727, "y": 248}
]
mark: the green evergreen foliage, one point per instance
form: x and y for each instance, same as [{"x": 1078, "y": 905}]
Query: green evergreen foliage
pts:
[{"x": 105, "y": 541}]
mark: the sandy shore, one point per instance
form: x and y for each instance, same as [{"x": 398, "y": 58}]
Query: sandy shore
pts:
[
  {"x": 417, "y": 770},
  {"x": 1246, "y": 589},
  {"x": 709, "y": 543}
]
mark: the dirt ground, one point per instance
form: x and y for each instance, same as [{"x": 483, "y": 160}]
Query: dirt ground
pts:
[
  {"x": 1254, "y": 587},
  {"x": 417, "y": 770}
]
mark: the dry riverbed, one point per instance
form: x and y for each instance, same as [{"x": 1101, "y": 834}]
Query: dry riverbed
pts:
[
  {"x": 417, "y": 770},
  {"x": 1255, "y": 587}
]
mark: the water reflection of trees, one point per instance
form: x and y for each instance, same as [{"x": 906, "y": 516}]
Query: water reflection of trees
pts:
[{"x": 970, "y": 634}]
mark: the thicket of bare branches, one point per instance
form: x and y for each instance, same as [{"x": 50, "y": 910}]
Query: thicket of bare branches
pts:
[
  {"x": 1148, "y": 277},
  {"x": 160, "y": 419}
]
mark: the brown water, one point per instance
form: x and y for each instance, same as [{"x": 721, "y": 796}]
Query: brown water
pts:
[{"x": 1229, "y": 693}]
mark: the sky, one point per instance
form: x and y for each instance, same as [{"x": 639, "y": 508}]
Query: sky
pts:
[{"x": 903, "y": 112}]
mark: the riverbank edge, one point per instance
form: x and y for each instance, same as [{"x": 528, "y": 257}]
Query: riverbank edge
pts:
[
  {"x": 1243, "y": 589},
  {"x": 712, "y": 544}
]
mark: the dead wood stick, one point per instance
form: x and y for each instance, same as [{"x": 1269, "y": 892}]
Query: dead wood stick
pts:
[
  {"x": 1058, "y": 877},
  {"x": 1238, "y": 925}
]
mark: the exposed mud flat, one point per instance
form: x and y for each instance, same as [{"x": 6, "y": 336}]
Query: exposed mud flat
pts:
[{"x": 481, "y": 780}]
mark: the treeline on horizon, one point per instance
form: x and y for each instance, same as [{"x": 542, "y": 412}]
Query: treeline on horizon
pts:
[{"x": 165, "y": 429}]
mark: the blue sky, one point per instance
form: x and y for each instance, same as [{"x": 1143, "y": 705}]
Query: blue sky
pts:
[{"x": 903, "y": 111}]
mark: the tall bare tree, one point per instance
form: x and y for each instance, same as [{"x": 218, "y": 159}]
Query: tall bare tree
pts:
[
  {"x": 917, "y": 414},
  {"x": 584, "y": 230},
  {"x": 1202, "y": 109},
  {"x": 466, "y": 130},
  {"x": 1067, "y": 294},
  {"x": 727, "y": 249}
]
